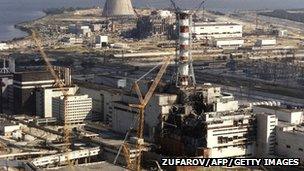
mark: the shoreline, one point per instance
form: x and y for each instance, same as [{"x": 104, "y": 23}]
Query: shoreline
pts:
[{"x": 20, "y": 26}]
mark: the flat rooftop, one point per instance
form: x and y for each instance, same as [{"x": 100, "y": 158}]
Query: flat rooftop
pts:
[{"x": 216, "y": 24}]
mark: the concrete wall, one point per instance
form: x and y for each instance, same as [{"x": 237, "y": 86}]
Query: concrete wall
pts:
[
  {"x": 123, "y": 118},
  {"x": 227, "y": 106},
  {"x": 230, "y": 136},
  {"x": 44, "y": 100},
  {"x": 266, "y": 124},
  {"x": 98, "y": 101},
  {"x": 290, "y": 144},
  {"x": 290, "y": 116}
]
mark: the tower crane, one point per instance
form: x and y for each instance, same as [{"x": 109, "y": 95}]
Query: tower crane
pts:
[
  {"x": 59, "y": 83},
  {"x": 143, "y": 101}
]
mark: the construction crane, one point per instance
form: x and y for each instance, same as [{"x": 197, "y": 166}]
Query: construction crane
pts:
[
  {"x": 143, "y": 101},
  {"x": 58, "y": 83}
]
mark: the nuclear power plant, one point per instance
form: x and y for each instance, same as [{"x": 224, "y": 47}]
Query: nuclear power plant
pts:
[
  {"x": 118, "y": 8},
  {"x": 123, "y": 88}
]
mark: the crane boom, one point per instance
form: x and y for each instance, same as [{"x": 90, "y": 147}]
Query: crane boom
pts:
[
  {"x": 60, "y": 84},
  {"x": 143, "y": 101}
]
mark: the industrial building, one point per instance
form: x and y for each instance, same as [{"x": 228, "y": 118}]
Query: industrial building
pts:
[
  {"x": 292, "y": 116},
  {"x": 209, "y": 30},
  {"x": 44, "y": 97},
  {"x": 266, "y": 42},
  {"x": 227, "y": 43},
  {"x": 22, "y": 92},
  {"x": 289, "y": 141},
  {"x": 77, "y": 109},
  {"x": 279, "y": 131},
  {"x": 266, "y": 136},
  {"x": 6, "y": 80},
  {"x": 6, "y": 129}
]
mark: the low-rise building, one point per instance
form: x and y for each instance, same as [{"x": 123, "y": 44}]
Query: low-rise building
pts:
[
  {"x": 266, "y": 42},
  {"x": 6, "y": 129},
  {"x": 226, "y": 43},
  {"x": 289, "y": 141},
  {"x": 292, "y": 116},
  {"x": 208, "y": 30}
]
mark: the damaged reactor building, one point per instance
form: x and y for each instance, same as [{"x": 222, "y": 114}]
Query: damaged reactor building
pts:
[
  {"x": 183, "y": 118},
  {"x": 203, "y": 121}
]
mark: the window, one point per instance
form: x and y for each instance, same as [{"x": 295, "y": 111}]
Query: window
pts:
[{"x": 288, "y": 146}]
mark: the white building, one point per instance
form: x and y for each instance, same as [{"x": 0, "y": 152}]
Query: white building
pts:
[
  {"x": 290, "y": 140},
  {"x": 102, "y": 41},
  {"x": 3, "y": 46},
  {"x": 292, "y": 116},
  {"x": 78, "y": 109},
  {"x": 124, "y": 117},
  {"x": 208, "y": 30},
  {"x": 44, "y": 99},
  {"x": 266, "y": 136},
  {"x": 226, "y": 43},
  {"x": 6, "y": 129},
  {"x": 230, "y": 134}
]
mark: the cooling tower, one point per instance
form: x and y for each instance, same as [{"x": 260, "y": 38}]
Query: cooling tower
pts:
[{"x": 118, "y": 8}]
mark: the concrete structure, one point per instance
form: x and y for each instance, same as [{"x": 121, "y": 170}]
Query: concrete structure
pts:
[
  {"x": 102, "y": 40},
  {"x": 266, "y": 42},
  {"x": 102, "y": 97},
  {"x": 44, "y": 97},
  {"x": 6, "y": 82},
  {"x": 185, "y": 75},
  {"x": 22, "y": 93},
  {"x": 64, "y": 157},
  {"x": 213, "y": 126},
  {"x": 289, "y": 141},
  {"x": 118, "y": 8},
  {"x": 230, "y": 134},
  {"x": 266, "y": 136},
  {"x": 78, "y": 109},
  {"x": 7, "y": 129},
  {"x": 282, "y": 33},
  {"x": 292, "y": 116},
  {"x": 224, "y": 43},
  {"x": 208, "y": 30},
  {"x": 124, "y": 117}
]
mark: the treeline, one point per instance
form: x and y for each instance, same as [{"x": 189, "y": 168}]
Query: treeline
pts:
[{"x": 299, "y": 17}]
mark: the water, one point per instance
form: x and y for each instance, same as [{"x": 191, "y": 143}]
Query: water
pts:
[{"x": 16, "y": 11}]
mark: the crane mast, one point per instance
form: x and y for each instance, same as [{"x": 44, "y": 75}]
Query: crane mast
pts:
[{"x": 59, "y": 83}]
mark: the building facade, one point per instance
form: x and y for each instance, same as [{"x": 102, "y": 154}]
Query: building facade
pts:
[
  {"x": 44, "y": 97},
  {"x": 23, "y": 91},
  {"x": 289, "y": 142},
  {"x": 78, "y": 109},
  {"x": 210, "y": 30},
  {"x": 266, "y": 137}
]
